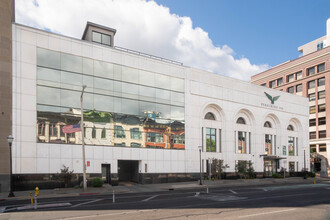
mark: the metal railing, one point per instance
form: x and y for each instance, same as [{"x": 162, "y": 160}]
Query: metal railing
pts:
[{"x": 148, "y": 55}]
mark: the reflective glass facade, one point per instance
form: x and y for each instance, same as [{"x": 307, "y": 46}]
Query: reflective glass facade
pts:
[{"x": 123, "y": 106}]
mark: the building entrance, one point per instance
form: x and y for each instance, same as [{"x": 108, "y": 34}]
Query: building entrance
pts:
[
  {"x": 106, "y": 173},
  {"x": 128, "y": 171}
]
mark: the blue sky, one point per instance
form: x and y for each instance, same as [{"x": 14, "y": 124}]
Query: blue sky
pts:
[
  {"x": 235, "y": 38},
  {"x": 264, "y": 31}
]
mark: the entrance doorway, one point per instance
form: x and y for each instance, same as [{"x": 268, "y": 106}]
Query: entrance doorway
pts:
[
  {"x": 106, "y": 173},
  {"x": 128, "y": 171}
]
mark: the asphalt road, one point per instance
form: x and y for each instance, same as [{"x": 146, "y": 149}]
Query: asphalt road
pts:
[{"x": 275, "y": 202}]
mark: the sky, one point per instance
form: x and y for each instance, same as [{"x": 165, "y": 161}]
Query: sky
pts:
[{"x": 236, "y": 38}]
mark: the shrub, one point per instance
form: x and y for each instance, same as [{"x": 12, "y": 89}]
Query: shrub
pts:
[
  {"x": 311, "y": 174},
  {"x": 97, "y": 182},
  {"x": 275, "y": 175},
  {"x": 66, "y": 175}
]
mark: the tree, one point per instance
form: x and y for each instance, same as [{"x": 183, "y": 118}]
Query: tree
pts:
[
  {"x": 244, "y": 169},
  {"x": 65, "y": 175}
]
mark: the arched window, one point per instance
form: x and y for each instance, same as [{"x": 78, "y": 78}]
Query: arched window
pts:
[
  {"x": 290, "y": 128},
  {"x": 209, "y": 116},
  {"x": 267, "y": 124},
  {"x": 240, "y": 120}
]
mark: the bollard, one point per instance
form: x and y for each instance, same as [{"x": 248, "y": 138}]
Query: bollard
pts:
[
  {"x": 35, "y": 201},
  {"x": 31, "y": 197},
  {"x": 207, "y": 190},
  {"x": 113, "y": 196},
  {"x": 36, "y": 193}
]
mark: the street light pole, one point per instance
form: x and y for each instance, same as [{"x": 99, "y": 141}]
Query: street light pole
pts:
[
  {"x": 200, "y": 165},
  {"x": 82, "y": 137},
  {"x": 10, "y": 141},
  {"x": 304, "y": 163}
]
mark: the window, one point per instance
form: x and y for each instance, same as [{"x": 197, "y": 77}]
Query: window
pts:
[
  {"x": 312, "y": 109},
  {"x": 320, "y": 46},
  {"x": 321, "y": 108},
  {"x": 240, "y": 120},
  {"x": 290, "y": 78},
  {"x": 311, "y": 97},
  {"x": 52, "y": 130},
  {"x": 272, "y": 84},
  {"x": 103, "y": 133},
  {"x": 321, "y": 81},
  {"x": 241, "y": 142},
  {"x": 135, "y": 134},
  {"x": 101, "y": 38},
  {"x": 133, "y": 144},
  {"x": 279, "y": 81},
  {"x": 41, "y": 129},
  {"x": 320, "y": 68},
  {"x": 264, "y": 84},
  {"x": 290, "y": 89},
  {"x": 313, "y": 148},
  {"x": 299, "y": 75},
  {"x": 177, "y": 139},
  {"x": 321, "y": 95},
  {"x": 312, "y": 122},
  {"x": 312, "y": 135},
  {"x": 94, "y": 132},
  {"x": 291, "y": 146},
  {"x": 322, "y": 134},
  {"x": 323, "y": 148},
  {"x": 267, "y": 124},
  {"x": 155, "y": 137},
  {"x": 268, "y": 144},
  {"x": 210, "y": 139},
  {"x": 123, "y": 144},
  {"x": 322, "y": 121},
  {"x": 290, "y": 128},
  {"x": 119, "y": 132},
  {"x": 209, "y": 116},
  {"x": 299, "y": 88},
  {"x": 311, "y": 84},
  {"x": 311, "y": 71},
  {"x": 291, "y": 166}
]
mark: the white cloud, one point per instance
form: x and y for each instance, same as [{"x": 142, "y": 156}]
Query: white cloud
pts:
[{"x": 141, "y": 25}]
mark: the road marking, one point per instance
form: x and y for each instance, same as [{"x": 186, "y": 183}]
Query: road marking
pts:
[
  {"x": 2, "y": 209},
  {"x": 327, "y": 188},
  {"x": 27, "y": 207},
  {"x": 265, "y": 189},
  {"x": 266, "y": 213},
  {"x": 103, "y": 215},
  {"x": 232, "y": 191},
  {"x": 197, "y": 193},
  {"x": 84, "y": 203},
  {"x": 147, "y": 199}
]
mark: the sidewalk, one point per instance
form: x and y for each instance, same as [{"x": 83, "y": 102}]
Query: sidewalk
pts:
[{"x": 132, "y": 187}]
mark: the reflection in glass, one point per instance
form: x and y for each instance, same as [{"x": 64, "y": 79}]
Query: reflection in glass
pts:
[
  {"x": 48, "y": 58},
  {"x": 103, "y": 69},
  {"x": 118, "y": 100},
  {"x": 71, "y": 63}
]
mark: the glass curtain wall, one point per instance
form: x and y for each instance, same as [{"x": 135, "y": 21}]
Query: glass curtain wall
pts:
[{"x": 123, "y": 106}]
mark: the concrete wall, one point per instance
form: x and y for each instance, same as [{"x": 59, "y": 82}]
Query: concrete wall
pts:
[{"x": 5, "y": 90}]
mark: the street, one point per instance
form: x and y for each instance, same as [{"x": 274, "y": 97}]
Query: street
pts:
[{"x": 306, "y": 201}]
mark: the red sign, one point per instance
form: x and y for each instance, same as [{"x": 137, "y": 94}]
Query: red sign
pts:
[{"x": 88, "y": 163}]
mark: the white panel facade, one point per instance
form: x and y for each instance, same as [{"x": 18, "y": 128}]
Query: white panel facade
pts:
[{"x": 227, "y": 99}]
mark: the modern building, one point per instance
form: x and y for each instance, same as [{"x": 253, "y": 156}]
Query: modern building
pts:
[
  {"x": 145, "y": 118},
  {"x": 308, "y": 76}
]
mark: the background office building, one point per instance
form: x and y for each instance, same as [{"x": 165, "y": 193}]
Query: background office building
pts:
[
  {"x": 308, "y": 76},
  {"x": 144, "y": 117}
]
